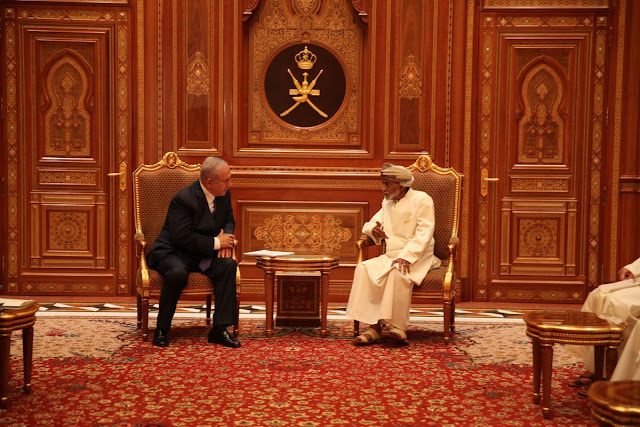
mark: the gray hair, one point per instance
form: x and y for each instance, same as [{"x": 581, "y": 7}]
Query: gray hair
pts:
[{"x": 210, "y": 168}]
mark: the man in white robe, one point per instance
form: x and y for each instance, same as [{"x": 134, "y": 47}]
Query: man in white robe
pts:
[
  {"x": 382, "y": 286},
  {"x": 617, "y": 302}
]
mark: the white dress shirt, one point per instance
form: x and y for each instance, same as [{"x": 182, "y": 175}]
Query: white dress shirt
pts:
[{"x": 210, "y": 200}]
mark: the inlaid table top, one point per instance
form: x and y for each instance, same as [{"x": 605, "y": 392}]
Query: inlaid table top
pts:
[
  {"x": 566, "y": 319},
  {"x": 15, "y": 317},
  {"x": 616, "y": 402},
  {"x": 571, "y": 327},
  {"x": 297, "y": 262}
]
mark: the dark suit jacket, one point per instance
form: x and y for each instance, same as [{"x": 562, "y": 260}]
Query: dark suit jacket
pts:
[{"x": 189, "y": 228}]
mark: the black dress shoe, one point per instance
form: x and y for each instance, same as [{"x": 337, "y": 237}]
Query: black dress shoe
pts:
[
  {"x": 222, "y": 337},
  {"x": 160, "y": 338}
]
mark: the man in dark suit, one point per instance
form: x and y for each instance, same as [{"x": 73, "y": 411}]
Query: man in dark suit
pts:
[{"x": 197, "y": 235}]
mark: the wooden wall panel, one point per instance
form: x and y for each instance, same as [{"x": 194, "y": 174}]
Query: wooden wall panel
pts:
[
  {"x": 304, "y": 210},
  {"x": 420, "y": 67},
  {"x": 196, "y": 60},
  {"x": 305, "y": 228},
  {"x": 624, "y": 160},
  {"x": 462, "y": 80}
]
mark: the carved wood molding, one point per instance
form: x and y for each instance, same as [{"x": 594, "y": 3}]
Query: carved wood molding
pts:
[
  {"x": 546, "y": 4},
  {"x": 285, "y": 25}
]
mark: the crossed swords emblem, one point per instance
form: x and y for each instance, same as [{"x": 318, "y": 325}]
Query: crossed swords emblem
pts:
[{"x": 305, "y": 89}]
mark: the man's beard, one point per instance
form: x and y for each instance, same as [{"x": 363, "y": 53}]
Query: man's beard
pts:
[{"x": 392, "y": 196}]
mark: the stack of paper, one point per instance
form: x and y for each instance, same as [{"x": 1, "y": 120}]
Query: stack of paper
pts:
[{"x": 265, "y": 252}]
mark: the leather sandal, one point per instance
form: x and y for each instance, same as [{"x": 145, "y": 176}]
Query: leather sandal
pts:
[
  {"x": 399, "y": 335},
  {"x": 584, "y": 380},
  {"x": 369, "y": 336}
]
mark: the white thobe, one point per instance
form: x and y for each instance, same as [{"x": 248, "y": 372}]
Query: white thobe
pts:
[
  {"x": 380, "y": 291},
  {"x": 618, "y": 302}
]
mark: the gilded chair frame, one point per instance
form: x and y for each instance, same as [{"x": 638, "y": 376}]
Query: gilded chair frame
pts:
[{"x": 144, "y": 288}]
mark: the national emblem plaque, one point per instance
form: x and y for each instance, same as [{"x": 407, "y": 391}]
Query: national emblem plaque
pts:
[{"x": 305, "y": 85}]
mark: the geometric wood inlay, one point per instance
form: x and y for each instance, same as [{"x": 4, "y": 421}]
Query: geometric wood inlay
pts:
[{"x": 302, "y": 227}]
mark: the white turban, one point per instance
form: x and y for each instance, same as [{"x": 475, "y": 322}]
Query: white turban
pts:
[{"x": 400, "y": 174}]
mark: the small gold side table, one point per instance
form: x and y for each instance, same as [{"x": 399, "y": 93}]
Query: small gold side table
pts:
[
  {"x": 11, "y": 319},
  {"x": 616, "y": 403},
  {"x": 549, "y": 327},
  {"x": 307, "y": 263}
]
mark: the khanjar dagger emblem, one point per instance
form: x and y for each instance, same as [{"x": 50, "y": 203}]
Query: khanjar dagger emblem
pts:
[{"x": 305, "y": 60}]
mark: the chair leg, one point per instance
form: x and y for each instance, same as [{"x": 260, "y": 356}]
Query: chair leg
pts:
[
  {"x": 139, "y": 310},
  {"x": 236, "y": 327},
  {"x": 452, "y": 327},
  {"x": 447, "y": 320},
  {"x": 144, "y": 312},
  {"x": 208, "y": 310},
  {"x": 356, "y": 328}
]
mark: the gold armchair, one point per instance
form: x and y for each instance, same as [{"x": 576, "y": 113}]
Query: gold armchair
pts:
[
  {"x": 444, "y": 186},
  {"x": 154, "y": 187}
]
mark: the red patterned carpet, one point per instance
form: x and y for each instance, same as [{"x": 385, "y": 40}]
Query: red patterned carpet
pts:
[{"x": 96, "y": 371}]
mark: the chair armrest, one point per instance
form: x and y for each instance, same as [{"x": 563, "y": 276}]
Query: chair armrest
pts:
[
  {"x": 365, "y": 240},
  {"x": 142, "y": 279},
  {"x": 453, "y": 244},
  {"x": 449, "y": 278},
  {"x": 234, "y": 256},
  {"x": 362, "y": 243}
]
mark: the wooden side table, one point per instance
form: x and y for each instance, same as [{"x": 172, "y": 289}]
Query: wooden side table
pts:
[
  {"x": 22, "y": 317},
  {"x": 547, "y": 328},
  {"x": 307, "y": 263},
  {"x": 616, "y": 403}
]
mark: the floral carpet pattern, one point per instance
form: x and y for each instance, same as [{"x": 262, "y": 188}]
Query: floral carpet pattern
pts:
[{"x": 97, "y": 371}]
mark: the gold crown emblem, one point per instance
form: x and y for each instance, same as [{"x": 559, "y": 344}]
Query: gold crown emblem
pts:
[{"x": 305, "y": 59}]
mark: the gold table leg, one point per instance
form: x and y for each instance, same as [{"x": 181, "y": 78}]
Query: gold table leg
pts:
[
  {"x": 536, "y": 370},
  {"x": 612, "y": 360},
  {"x": 324, "y": 299},
  {"x": 268, "y": 295},
  {"x": 27, "y": 345},
  {"x": 547, "y": 364},
  {"x": 5, "y": 345},
  {"x": 598, "y": 359}
]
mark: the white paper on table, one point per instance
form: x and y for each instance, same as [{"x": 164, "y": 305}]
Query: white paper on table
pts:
[
  {"x": 189, "y": 309},
  {"x": 11, "y": 303},
  {"x": 258, "y": 307},
  {"x": 265, "y": 252},
  {"x": 244, "y": 311},
  {"x": 90, "y": 308},
  {"x": 463, "y": 311}
]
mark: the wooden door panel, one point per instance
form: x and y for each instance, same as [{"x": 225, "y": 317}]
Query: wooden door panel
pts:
[
  {"x": 69, "y": 226},
  {"x": 542, "y": 95}
]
